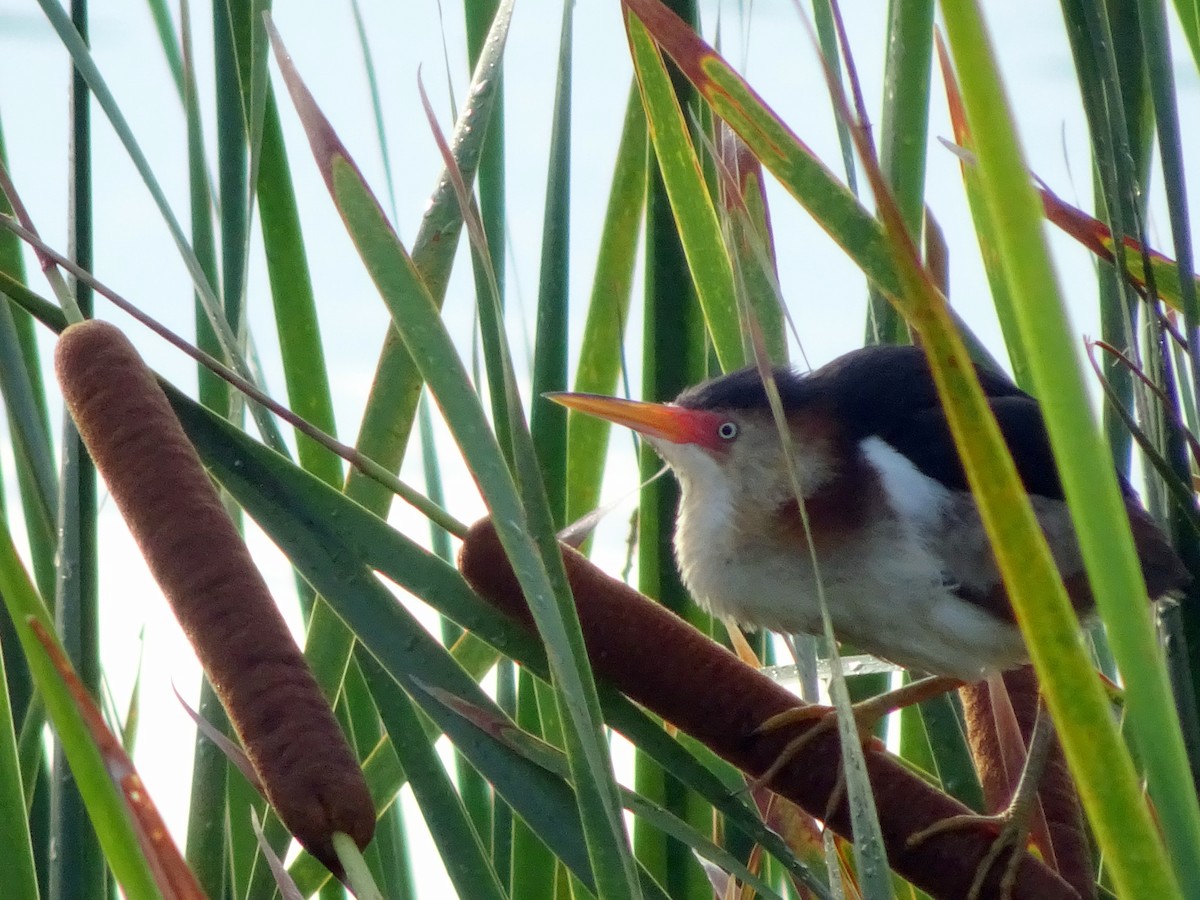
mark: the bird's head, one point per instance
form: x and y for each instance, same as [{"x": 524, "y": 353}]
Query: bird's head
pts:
[{"x": 722, "y": 432}]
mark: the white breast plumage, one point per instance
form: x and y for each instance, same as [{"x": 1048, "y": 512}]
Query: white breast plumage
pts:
[{"x": 888, "y": 581}]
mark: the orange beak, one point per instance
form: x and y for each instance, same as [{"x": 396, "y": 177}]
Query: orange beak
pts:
[{"x": 661, "y": 421}]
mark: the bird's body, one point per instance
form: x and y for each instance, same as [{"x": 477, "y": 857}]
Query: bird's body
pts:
[
  {"x": 902, "y": 556},
  {"x": 885, "y": 586}
]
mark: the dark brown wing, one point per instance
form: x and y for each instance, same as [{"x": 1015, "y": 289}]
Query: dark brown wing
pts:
[
  {"x": 894, "y": 398},
  {"x": 924, "y": 437},
  {"x": 927, "y": 442}
]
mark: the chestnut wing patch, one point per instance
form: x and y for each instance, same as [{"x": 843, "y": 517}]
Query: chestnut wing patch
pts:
[{"x": 838, "y": 511}]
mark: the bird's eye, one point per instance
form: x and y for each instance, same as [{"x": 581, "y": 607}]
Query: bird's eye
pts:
[{"x": 727, "y": 431}]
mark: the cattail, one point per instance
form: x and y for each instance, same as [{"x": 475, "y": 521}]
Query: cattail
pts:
[
  {"x": 1068, "y": 844},
  {"x": 661, "y": 662},
  {"x": 307, "y": 769}
]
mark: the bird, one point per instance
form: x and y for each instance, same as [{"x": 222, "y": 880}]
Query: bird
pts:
[
  {"x": 902, "y": 555},
  {"x": 885, "y": 527}
]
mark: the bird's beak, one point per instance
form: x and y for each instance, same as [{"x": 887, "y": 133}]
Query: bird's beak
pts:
[{"x": 674, "y": 424}]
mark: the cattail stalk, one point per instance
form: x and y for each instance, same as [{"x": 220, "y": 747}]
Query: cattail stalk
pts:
[
  {"x": 661, "y": 662},
  {"x": 307, "y": 770}
]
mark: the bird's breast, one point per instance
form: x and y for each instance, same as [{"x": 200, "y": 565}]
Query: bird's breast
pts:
[{"x": 882, "y": 577}]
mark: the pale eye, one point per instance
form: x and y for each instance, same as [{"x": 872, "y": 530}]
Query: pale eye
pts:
[{"x": 727, "y": 431}]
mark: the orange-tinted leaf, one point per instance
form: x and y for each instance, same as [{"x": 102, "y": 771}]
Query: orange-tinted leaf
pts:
[
  {"x": 954, "y": 101},
  {"x": 171, "y": 874},
  {"x": 1097, "y": 237},
  {"x": 1086, "y": 229}
]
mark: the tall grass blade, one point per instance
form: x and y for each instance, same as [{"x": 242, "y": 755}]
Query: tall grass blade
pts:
[
  {"x": 481, "y": 16},
  {"x": 474, "y": 790},
  {"x": 600, "y": 355},
  {"x": 86, "y": 66},
  {"x": 827, "y": 40},
  {"x": 534, "y": 871},
  {"x": 943, "y": 724},
  {"x": 391, "y": 404},
  {"x": 1100, "y": 86},
  {"x": 105, "y": 806},
  {"x": 77, "y": 867},
  {"x": 1109, "y": 790},
  {"x": 25, "y": 402},
  {"x": 985, "y": 228},
  {"x": 751, "y": 243},
  {"x": 231, "y": 26},
  {"x": 675, "y": 349},
  {"x": 1189, "y": 19},
  {"x": 470, "y": 870},
  {"x": 489, "y": 304},
  {"x": 902, "y": 138},
  {"x": 31, "y": 438},
  {"x": 364, "y": 43},
  {"x": 548, "y": 421},
  {"x": 214, "y": 393},
  {"x": 537, "y": 709},
  {"x": 1162, "y": 88},
  {"x": 206, "y": 849},
  {"x": 416, "y": 316},
  {"x": 691, "y": 202},
  {"x": 161, "y": 13},
  {"x": 20, "y": 869},
  {"x": 296, "y": 322},
  {"x": 77, "y": 870},
  {"x": 1119, "y": 123}
]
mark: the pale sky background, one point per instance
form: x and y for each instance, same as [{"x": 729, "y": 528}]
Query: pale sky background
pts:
[{"x": 136, "y": 257}]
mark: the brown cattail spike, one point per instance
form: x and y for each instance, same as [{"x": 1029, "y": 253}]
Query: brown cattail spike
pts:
[
  {"x": 1069, "y": 846},
  {"x": 309, "y": 773},
  {"x": 661, "y": 662}
]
